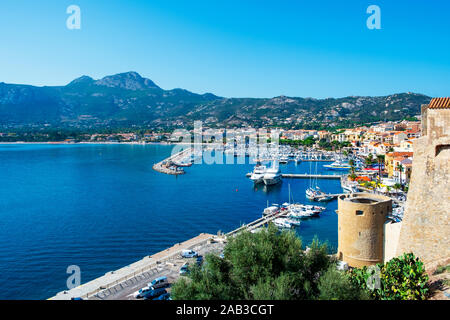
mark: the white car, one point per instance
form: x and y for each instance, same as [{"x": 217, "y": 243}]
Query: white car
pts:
[
  {"x": 139, "y": 294},
  {"x": 189, "y": 254}
]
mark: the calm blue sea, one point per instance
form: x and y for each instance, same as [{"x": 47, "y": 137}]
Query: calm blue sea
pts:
[{"x": 102, "y": 207}]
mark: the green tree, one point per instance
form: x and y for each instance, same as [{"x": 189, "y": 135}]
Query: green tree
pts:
[
  {"x": 380, "y": 161},
  {"x": 369, "y": 160},
  {"x": 400, "y": 170},
  {"x": 265, "y": 265},
  {"x": 351, "y": 162}
]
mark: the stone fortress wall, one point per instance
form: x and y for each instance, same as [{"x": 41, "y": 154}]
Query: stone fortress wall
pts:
[{"x": 425, "y": 229}]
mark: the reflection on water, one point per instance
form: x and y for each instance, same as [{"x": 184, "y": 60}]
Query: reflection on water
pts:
[{"x": 276, "y": 188}]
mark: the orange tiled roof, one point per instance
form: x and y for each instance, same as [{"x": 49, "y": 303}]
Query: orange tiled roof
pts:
[
  {"x": 439, "y": 103},
  {"x": 400, "y": 154}
]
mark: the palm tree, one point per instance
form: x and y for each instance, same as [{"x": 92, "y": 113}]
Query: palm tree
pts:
[
  {"x": 369, "y": 159},
  {"x": 351, "y": 162},
  {"x": 388, "y": 189},
  {"x": 380, "y": 160},
  {"x": 400, "y": 169}
]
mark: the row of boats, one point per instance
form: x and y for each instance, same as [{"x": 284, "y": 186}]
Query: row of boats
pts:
[
  {"x": 280, "y": 153},
  {"x": 289, "y": 215}
]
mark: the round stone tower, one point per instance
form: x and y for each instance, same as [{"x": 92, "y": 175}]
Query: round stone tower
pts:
[{"x": 361, "y": 218}]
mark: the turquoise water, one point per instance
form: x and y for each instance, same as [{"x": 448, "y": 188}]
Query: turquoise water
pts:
[{"x": 102, "y": 207}]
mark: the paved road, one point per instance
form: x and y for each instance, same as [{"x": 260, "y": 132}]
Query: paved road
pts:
[{"x": 170, "y": 269}]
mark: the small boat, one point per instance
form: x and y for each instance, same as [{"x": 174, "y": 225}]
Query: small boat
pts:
[
  {"x": 338, "y": 165},
  {"x": 282, "y": 223},
  {"x": 271, "y": 210},
  {"x": 310, "y": 194},
  {"x": 317, "y": 195},
  {"x": 293, "y": 222},
  {"x": 298, "y": 211},
  {"x": 284, "y": 159}
]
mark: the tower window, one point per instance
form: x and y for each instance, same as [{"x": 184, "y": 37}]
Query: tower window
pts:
[
  {"x": 445, "y": 148},
  {"x": 359, "y": 212}
]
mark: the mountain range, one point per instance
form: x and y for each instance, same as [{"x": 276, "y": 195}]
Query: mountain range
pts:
[{"x": 127, "y": 99}]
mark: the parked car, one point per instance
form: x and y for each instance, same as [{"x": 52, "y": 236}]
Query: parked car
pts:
[
  {"x": 184, "y": 269},
  {"x": 189, "y": 254},
  {"x": 160, "y": 282},
  {"x": 140, "y": 294},
  {"x": 164, "y": 296},
  {"x": 154, "y": 293}
]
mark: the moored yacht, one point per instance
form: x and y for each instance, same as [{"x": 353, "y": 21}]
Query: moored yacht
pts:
[
  {"x": 272, "y": 175},
  {"x": 338, "y": 165},
  {"x": 317, "y": 195},
  {"x": 282, "y": 223},
  {"x": 258, "y": 174}
]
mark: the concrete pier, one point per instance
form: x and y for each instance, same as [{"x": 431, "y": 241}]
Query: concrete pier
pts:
[
  {"x": 134, "y": 274},
  {"x": 306, "y": 176},
  {"x": 165, "y": 165}
]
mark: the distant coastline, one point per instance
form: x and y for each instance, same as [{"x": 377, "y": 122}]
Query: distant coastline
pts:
[{"x": 86, "y": 142}]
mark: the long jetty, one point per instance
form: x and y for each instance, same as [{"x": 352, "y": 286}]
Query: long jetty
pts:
[
  {"x": 306, "y": 176},
  {"x": 169, "y": 166}
]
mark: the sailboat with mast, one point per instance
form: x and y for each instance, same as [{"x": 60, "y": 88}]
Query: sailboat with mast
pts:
[{"x": 313, "y": 193}]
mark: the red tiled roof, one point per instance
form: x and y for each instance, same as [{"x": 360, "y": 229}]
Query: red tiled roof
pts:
[
  {"x": 439, "y": 103},
  {"x": 400, "y": 154}
]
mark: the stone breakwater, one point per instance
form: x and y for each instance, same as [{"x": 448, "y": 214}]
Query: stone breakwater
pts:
[{"x": 172, "y": 165}]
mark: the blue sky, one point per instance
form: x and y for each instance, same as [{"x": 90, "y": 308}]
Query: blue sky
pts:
[{"x": 233, "y": 48}]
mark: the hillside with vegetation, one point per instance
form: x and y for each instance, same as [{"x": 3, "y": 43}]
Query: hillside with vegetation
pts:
[{"x": 129, "y": 100}]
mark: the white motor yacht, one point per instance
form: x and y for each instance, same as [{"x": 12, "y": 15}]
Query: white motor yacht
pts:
[
  {"x": 258, "y": 174},
  {"x": 272, "y": 175},
  {"x": 282, "y": 223}
]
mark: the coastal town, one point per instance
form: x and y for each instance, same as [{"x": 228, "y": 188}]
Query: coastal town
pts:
[
  {"x": 374, "y": 165},
  {"x": 393, "y": 141},
  {"x": 229, "y": 158}
]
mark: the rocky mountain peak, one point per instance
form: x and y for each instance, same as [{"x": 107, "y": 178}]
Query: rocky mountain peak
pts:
[{"x": 128, "y": 80}]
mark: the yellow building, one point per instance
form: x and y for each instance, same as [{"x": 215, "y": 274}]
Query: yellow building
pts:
[{"x": 389, "y": 161}]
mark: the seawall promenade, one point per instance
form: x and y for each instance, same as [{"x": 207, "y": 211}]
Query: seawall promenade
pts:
[{"x": 114, "y": 280}]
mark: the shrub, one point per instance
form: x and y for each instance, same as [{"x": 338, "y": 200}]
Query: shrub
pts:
[
  {"x": 337, "y": 285},
  {"x": 402, "y": 278}
]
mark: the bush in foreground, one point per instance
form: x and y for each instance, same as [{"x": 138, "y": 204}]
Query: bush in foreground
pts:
[
  {"x": 337, "y": 285},
  {"x": 401, "y": 278},
  {"x": 266, "y": 265}
]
